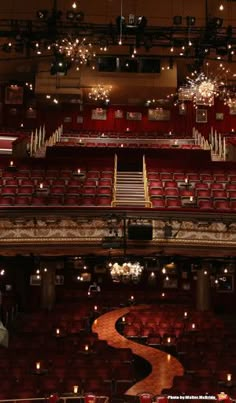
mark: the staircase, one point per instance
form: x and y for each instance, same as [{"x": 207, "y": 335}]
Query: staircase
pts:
[{"x": 130, "y": 189}]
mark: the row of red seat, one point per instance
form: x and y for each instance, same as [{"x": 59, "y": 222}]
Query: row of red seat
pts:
[
  {"x": 126, "y": 134},
  {"x": 207, "y": 205},
  {"x": 192, "y": 178},
  {"x": 58, "y": 201},
  {"x": 103, "y": 144},
  {"x": 66, "y": 174}
]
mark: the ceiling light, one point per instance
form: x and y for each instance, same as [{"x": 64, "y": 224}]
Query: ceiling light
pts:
[
  {"x": 221, "y": 7},
  {"x": 100, "y": 93},
  {"x": 74, "y": 5},
  {"x": 126, "y": 271},
  {"x": 77, "y": 51}
]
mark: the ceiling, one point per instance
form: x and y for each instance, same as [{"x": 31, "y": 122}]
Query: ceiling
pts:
[{"x": 156, "y": 39}]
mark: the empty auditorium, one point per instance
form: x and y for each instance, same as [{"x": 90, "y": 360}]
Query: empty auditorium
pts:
[{"x": 117, "y": 201}]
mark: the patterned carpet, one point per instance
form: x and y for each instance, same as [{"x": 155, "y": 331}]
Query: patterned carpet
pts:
[{"x": 164, "y": 366}]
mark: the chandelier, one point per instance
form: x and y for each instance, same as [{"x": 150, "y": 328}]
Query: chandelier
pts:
[
  {"x": 204, "y": 87},
  {"x": 100, "y": 93},
  {"x": 125, "y": 272},
  {"x": 77, "y": 51}
]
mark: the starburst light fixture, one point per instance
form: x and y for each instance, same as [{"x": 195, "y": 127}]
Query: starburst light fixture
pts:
[
  {"x": 127, "y": 271},
  {"x": 77, "y": 51},
  {"x": 204, "y": 87},
  {"x": 100, "y": 93}
]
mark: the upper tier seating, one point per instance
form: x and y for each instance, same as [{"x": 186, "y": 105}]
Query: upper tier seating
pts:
[
  {"x": 38, "y": 184},
  {"x": 127, "y": 134},
  {"x": 183, "y": 188}
]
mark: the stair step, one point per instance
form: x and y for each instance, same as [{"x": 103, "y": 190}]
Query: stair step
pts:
[
  {"x": 130, "y": 198},
  {"x": 143, "y": 204},
  {"x": 126, "y": 194},
  {"x": 129, "y": 192},
  {"x": 129, "y": 173},
  {"x": 133, "y": 183},
  {"x": 130, "y": 189}
]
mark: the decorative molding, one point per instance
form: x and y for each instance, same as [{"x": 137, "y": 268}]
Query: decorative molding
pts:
[{"x": 70, "y": 230}]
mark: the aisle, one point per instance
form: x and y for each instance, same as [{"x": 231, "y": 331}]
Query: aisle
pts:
[{"x": 164, "y": 366}]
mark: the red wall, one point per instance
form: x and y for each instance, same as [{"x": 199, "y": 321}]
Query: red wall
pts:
[{"x": 53, "y": 115}]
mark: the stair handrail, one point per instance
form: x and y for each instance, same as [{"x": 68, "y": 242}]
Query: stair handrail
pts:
[
  {"x": 148, "y": 203},
  {"x": 113, "y": 203}
]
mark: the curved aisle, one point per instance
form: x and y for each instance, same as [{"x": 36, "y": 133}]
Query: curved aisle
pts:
[{"x": 164, "y": 366}]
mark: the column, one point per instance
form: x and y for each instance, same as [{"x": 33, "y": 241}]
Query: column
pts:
[
  {"x": 203, "y": 290},
  {"x": 48, "y": 272}
]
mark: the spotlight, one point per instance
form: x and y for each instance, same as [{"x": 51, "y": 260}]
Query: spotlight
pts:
[
  {"x": 120, "y": 23},
  {"x": 141, "y": 22},
  {"x": 190, "y": 21},
  {"x": 177, "y": 20},
  {"x": 6, "y": 47},
  {"x": 216, "y": 22},
  {"x": 70, "y": 15},
  {"x": 79, "y": 16},
  {"x": 59, "y": 67},
  {"x": 42, "y": 14}
]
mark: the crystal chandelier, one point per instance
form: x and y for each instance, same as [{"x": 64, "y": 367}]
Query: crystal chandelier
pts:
[
  {"x": 100, "y": 93},
  {"x": 77, "y": 51},
  {"x": 125, "y": 272},
  {"x": 204, "y": 87}
]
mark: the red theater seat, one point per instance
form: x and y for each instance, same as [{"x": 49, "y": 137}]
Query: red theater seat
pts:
[
  {"x": 219, "y": 195},
  {"x": 54, "y": 200},
  {"x": 38, "y": 201},
  {"x": 6, "y": 201},
  {"x": 89, "y": 190},
  {"x": 104, "y": 190},
  {"x": 87, "y": 201},
  {"x": 70, "y": 201},
  {"x": 156, "y": 193},
  {"x": 205, "y": 204},
  {"x": 207, "y": 178},
  {"x": 171, "y": 193},
  {"x": 158, "y": 203},
  {"x": 155, "y": 184},
  {"x": 104, "y": 201},
  {"x": 73, "y": 190},
  {"x": 22, "y": 201},
  {"x": 217, "y": 186},
  {"x": 173, "y": 203},
  {"x": 201, "y": 186},
  {"x": 9, "y": 191},
  {"x": 170, "y": 185},
  {"x": 25, "y": 190},
  {"x": 57, "y": 190},
  {"x": 203, "y": 194}
]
